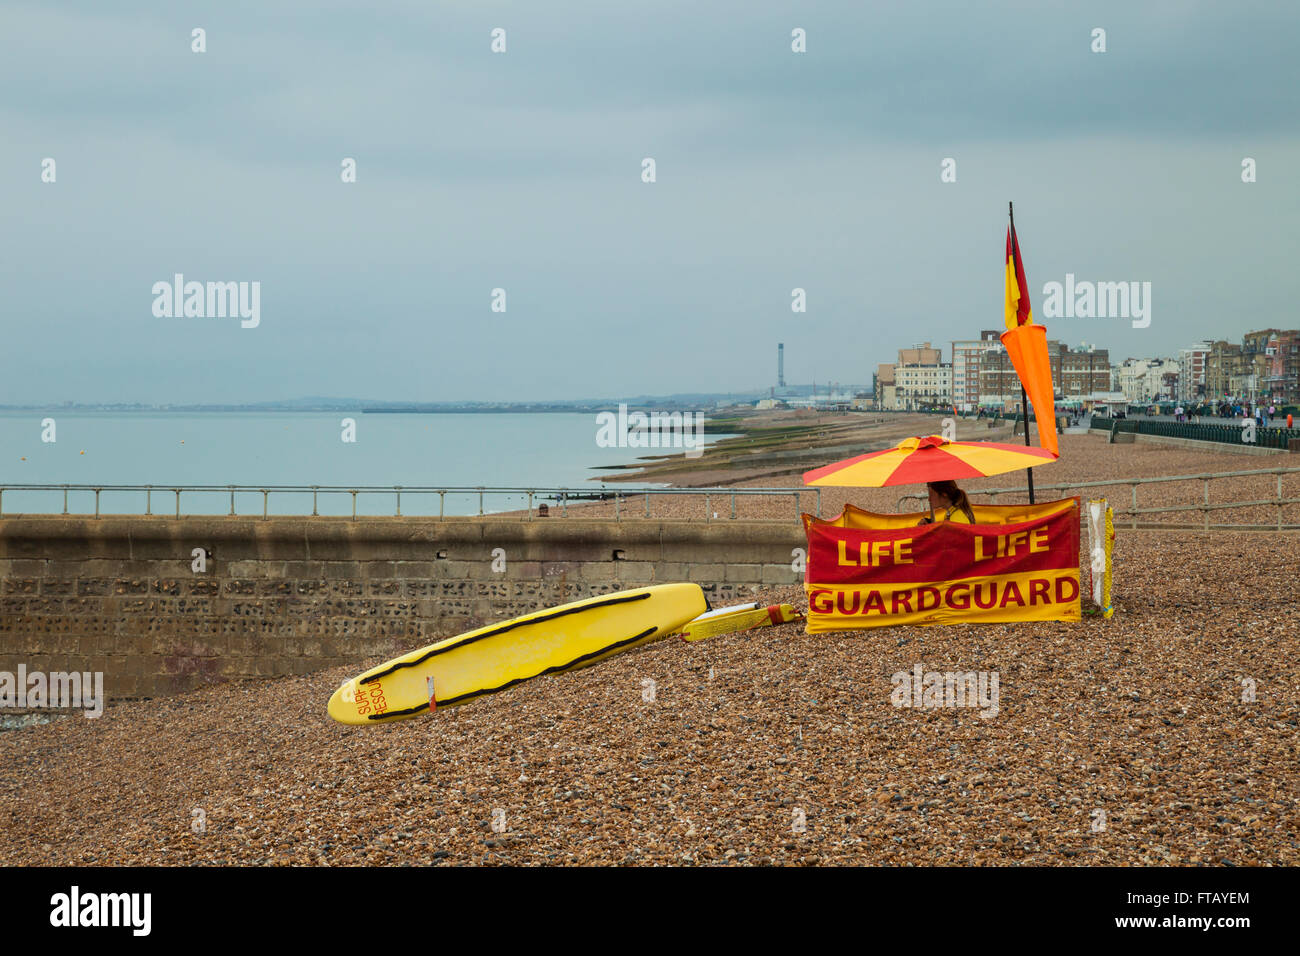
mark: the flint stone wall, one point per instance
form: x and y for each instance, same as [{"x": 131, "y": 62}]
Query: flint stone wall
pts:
[{"x": 285, "y": 595}]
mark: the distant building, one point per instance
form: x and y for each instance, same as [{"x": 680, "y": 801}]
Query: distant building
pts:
[
  {"x": 1283, "y": 380},
  {"x": 999, "y": 385},
  {"x": 884, "y": 378},
  {"x": 1256, "y": 362},
  {"x": 1224, "y": 362},
  {"x": 1191, "y": 372},
  {"x": 967, "y": 356},
  {"x": 923, "y": 386},
  {"x": 1078, "y": 372},
  {"x": 923, "y": 354},
  {"x": 919, "y": 379},
  {"x": 1147, "y": 380},
  {"x": 1255, "y": 344},
  {"x": 1245, "y": 385},
  {"x": 1256, "y": 370}
]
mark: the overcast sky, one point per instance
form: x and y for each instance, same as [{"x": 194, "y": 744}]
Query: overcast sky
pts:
[{"x": 523, "y": 171}]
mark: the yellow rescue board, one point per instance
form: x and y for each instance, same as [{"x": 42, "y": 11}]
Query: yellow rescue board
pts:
[
  {"x": 493, "y": 658},
  {"x": 745, "y": 617}
]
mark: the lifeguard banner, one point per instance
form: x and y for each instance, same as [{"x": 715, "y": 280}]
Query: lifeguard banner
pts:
[{"x": 1019, "y": 563}]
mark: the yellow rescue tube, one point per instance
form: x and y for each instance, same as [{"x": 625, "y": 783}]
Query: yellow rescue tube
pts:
[
  {"x": 493, "y": 658},
  {"x": 743, "y": 617}
]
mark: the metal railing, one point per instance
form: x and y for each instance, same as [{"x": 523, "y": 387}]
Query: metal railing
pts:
[
  {"x": 635, "y": 502},
  {"x": 1229, "y": 434},
  {"x": 535, "y": 496},
  {"x": 1133, "y": 510}
]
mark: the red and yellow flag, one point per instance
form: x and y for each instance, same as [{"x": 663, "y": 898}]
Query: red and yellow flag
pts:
[
  {"x": 1026, "y": 345},
  {"x": 1018, "y": 308},
  {"x": 869, "y": 570}
]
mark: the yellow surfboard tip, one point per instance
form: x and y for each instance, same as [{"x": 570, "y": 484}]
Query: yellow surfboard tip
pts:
[{"x": 342, "y": 704}]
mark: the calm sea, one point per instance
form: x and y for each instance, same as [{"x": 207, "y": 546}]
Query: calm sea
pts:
[{"x": 297, "y": 448}]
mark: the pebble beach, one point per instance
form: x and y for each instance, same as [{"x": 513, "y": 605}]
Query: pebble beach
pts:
[{"x": 1166, "y": 734}]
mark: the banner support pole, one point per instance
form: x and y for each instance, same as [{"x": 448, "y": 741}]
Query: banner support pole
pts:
[{"x": 1024, "y": 402}]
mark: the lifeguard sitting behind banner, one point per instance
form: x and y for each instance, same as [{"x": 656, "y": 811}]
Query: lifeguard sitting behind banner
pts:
[{"x": 1017, "y": 563}]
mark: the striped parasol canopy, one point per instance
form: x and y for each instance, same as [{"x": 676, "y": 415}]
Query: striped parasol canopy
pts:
[{"x": 932, "y": 458}]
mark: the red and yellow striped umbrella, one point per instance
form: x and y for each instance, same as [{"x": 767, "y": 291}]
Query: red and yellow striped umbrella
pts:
[{"x": 932, "y": 458}]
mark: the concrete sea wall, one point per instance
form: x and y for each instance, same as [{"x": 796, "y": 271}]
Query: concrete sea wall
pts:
[{"x": 161, "y": 605}]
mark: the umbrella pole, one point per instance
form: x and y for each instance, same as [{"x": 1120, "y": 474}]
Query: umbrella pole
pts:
[{"x": 1024, "y": 404}]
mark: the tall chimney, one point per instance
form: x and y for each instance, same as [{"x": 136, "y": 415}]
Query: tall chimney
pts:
[{"x": 780, "y": 364}]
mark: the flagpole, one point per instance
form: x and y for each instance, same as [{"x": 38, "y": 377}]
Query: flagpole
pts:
[{"x": 1024, "y": 398}]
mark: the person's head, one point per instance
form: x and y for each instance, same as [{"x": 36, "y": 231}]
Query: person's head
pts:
[
  {"x": 943, "y": 494},
  {"x": 946, "y": 494}
]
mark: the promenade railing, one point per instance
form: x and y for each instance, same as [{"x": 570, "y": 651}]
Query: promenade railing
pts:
[
  {"x": 634, "y": 502},
  {"x": 1130, "y": 509},
  {"x": 626, "y": 501},
  {"x": 1226, "y": 431}
]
